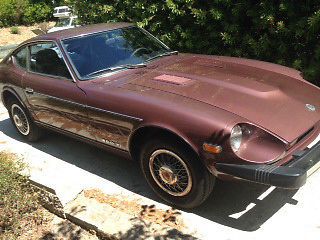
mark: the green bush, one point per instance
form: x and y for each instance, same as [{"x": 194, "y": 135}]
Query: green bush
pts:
[
  {"x": 284, "y": 32},
  {"x": 11, "y": 12},
  {"x": 35, "y": 13},
  {"x": 14, "y": 30},
  {"x": 17, "y": 12}
]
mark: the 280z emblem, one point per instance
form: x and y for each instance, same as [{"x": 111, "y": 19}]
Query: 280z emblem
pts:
[{"x": 310, "y": 107}]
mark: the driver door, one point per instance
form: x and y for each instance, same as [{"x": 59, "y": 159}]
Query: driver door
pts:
[{"x": 54, "y": 98}]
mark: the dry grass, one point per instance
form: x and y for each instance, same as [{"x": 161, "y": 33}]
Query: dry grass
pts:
[
  {"x": 6, "y": 37},
  {"x": 21, "y": 215},
  {"x": 20, "y": 212}
]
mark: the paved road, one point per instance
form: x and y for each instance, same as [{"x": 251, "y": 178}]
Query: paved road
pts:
[{"x": 234, "y": 211}]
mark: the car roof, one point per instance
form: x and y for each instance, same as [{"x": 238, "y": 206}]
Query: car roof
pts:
[
  {"x": 79, "y": 31},
  {"x": 60, "y": 7}
]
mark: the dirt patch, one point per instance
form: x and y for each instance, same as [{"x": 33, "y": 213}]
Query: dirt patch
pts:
[
  {"x": 42, "y": 224},
  {"x": 21, "y": 214},
  {"x": 150, "y": 213},
  {"x": 58, "y": 229},
  {"x": 52, "y": 227},
  {"x": 6, "y": 37},
  {"x": 35, "y": 228}
]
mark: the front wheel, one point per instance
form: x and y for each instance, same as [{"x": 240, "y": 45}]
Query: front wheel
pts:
[
  {"x": 175, "y": 173},
  {"x": 22, "y": 122}
]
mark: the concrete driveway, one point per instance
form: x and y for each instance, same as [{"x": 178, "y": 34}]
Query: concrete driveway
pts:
[{"x": 234, "y": 210}]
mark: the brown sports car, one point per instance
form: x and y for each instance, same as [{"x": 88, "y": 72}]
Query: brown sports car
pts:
[{"x": 187, "y": 119}]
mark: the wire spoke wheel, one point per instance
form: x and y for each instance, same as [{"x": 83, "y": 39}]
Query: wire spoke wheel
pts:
[
  {"x": 20, "y": 119},
  {"x": 170, "y": 172}
]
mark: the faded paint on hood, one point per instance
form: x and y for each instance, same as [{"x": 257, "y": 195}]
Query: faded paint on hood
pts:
[{"x": 271, "y": 96}]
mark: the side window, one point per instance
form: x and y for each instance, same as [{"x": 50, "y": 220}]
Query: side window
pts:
[
  {"x": 21, "y": 57},
  {"x": 75, "y": 22},
  {"x": 46, "y": 58}
]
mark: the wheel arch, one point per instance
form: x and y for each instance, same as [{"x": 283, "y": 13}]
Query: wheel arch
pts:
[
  {"x": 145, "y": 132},
  {"x": 8, "y": 93}
]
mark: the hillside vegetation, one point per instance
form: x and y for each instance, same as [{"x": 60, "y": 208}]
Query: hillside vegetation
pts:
[{"x": 284, "y": 32}]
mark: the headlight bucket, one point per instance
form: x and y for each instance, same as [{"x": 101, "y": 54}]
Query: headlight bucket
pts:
[{"x": 252, "y": 144}]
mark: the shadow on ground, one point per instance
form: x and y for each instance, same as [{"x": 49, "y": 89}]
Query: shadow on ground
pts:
[
  {"x": 65, "y": 229},
  {"x": 140, "y": 230},
  {"x": 224, "y": 206}
]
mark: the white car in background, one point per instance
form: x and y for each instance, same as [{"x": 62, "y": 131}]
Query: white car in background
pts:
[
  {"x": 65, "y": 19},
  {"x": 65, "y": 23},
  {"x": 62, "y": 12}
]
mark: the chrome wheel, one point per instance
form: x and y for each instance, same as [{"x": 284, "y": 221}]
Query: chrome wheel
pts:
[
  {"x": 170, "y": 172},
  {"x": 20, "y": 119}
]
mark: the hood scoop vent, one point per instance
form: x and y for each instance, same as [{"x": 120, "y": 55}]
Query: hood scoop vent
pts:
[{"x": 173, "y": 79}]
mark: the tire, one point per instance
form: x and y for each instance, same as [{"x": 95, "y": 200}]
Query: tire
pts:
[
  {"x": 156, "y": 161},
  {"x": 21, "y": 120}
]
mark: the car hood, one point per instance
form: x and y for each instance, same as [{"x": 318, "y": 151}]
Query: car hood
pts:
[{"x": 268, "y": 95}]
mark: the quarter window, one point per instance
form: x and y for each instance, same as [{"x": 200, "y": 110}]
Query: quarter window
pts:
[
  {"x": 21, "y": 57},
  {"x": 46, "y": 58}
]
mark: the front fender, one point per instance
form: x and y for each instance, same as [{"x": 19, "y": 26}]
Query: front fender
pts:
[{"x": 12, "y": 92}]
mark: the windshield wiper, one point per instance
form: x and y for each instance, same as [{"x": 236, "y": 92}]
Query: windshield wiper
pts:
[
  {"x": 162, "y": 55},
  {"x": 110, "y": 69}
]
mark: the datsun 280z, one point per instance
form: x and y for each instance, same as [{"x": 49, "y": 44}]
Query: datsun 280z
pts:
[{"x": 187, "y": 119}]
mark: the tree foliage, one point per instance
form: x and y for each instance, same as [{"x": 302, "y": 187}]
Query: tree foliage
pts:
[
  {"x": 11, "y": 11},
  {"x": 285, "y": 32},
  {"x": 17, "y": 12},
  {"x": 39, "y": 12}
]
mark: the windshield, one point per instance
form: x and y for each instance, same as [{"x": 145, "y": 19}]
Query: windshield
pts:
[
  {"x": 74, "y": 21},
  {"x": 63, "y": 22},
  {"x": 93, "y": 54}
]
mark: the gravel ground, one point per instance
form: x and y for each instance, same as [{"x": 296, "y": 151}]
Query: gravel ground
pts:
[
  {"x": 25, "y": 33},
  {"x": 54, "y": 228}
]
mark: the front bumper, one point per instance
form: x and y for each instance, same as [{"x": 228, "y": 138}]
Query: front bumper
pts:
[{"x": 291, "y": 175}]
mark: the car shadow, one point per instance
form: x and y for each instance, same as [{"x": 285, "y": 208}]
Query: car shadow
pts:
[{"x": 234, "y": 204}]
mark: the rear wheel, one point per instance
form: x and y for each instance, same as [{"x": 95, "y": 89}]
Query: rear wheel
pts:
[
  {"x": 22, "y": 122},
  {"x": 175, "y": 173}
]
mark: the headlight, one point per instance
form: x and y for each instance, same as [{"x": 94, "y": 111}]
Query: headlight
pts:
[
  {"x": 256, "y": 144},
  {"x": 236, "y": 138}
]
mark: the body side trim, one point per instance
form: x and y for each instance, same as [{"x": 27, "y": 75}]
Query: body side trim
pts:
[
  {"x": 76, "y": 136},
  {"x": 90, "y": 107}
]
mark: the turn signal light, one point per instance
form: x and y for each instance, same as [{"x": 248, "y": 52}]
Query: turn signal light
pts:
[{"x": 210, "y": 148}]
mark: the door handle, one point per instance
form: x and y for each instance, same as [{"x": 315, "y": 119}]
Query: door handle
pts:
[{"x": 29, "y": 90}]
